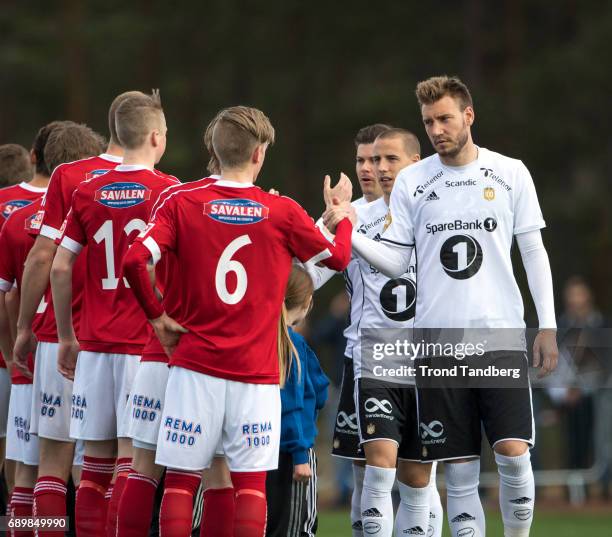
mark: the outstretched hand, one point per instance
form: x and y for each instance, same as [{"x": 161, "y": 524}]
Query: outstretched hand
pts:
[
  {"x": 342, "y": 192},
  {"x": 545, "y": 352},
  {"x": 338, "y": 212}
]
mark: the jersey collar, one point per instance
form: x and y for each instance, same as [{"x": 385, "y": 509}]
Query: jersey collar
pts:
[
  {"x": 112, "y": 158},
  {"x": 31, "y": 188},
  {"x": 131, "y": 168},
  {"x": 233, "y": 184}
]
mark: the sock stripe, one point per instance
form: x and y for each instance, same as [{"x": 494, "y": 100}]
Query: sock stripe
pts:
[
  {"x": 251, "y": 491},
  {"x": 141, "y": 477},
  {"x": 42, "y": 488},
  {"x": 176, "y": 491},
  {"x": 85, "y": 484},
  {"x": 184, "y": 472}
]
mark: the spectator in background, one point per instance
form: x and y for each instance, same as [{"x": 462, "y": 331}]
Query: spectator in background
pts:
[
  {"x": 582, "y": 374},
  {"x": 15, "y": 165}
]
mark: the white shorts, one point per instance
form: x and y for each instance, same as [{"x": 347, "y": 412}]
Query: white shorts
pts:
[
  {"x": 102, "y": 384},
  {"x": 146, "y": 404},
  {"x": 21, "y": 444},
  {"x": 203, "y": 413},
  {"x": 5, "y": 395},
  {"x": 51, "y": 403}
]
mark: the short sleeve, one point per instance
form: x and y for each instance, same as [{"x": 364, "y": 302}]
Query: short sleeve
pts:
[
  {"x": 526, "y": 209},
  {"x": 160, "y": 233},
  {"x": 305, "y": 240},
  {"x": 7, "y": 272},
  {"x": 53, "y": 211},
  {"x": 73, "y": 237},
  {"x": 400, "y": 231}
]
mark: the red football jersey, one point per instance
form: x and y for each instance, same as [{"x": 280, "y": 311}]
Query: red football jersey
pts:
[
  {"x": 15, "y": 238},
  {"x": 166, "y": 273},
  {"x": 235, "y": 244},
  {"x": 107, "y": 213},
  {"x": 55, "y": 206},
  {"x": 17, "y": 196}
]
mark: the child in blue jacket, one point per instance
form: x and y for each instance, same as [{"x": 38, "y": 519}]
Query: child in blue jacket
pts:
[{"x": 292, "y": 488}]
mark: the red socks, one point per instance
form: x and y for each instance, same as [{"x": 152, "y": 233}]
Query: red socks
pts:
[
  {"x": 177, "y": 503},
  {"x": 22, "y": 501},
  {"x": 136, "y": 506},
  {"x": 90, "y": 503},
  {"x": 250, "y": 506},
  {"x": 49, "y": 500},
  {"x": 124, "y": 466},
  {"x": 218, "y": 515}
]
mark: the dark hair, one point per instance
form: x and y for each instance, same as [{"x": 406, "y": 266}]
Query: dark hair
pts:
[
  {"x": 409, "y": 139},
  {"x": 70, "y": 143},
  {"x": 15, "y": 165},
  {"x": 367, "y": 135},
  {"x": 40, "y": 141}
]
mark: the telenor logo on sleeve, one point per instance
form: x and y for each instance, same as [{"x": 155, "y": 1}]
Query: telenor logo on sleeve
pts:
[
  {"x": 10, "y": 207},
  {"x": 122, "y": 195},
  {"x": 240, "y": 211}
]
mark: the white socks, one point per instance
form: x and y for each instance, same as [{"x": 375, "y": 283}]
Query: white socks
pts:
[
  {"x": 464, "y": 510},
  {"x": 516, "y": 493},
  {"x": 436, "y": 513},
  {"x": 376, "y": 503},
  {"x": 413, "y": 512},
  {"x": 356, "y": 525}
]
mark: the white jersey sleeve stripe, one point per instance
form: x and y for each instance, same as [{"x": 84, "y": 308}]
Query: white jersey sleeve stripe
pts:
[
  {"x": 153, "y": 247},
  {"x": 320, "y": 256},
  {"x": 50, "y": 232},
  {"x": 71, "y": 245}
]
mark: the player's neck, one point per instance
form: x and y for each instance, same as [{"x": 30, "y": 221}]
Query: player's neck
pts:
[
  {"x": 387, "y": 198},
  {"x": 371, "y": 197},
  {"x": 140, "y": 157},
  {"x": 115, "y": 150},
  {"x": 468, "y": 154},
  {"x": 237, "y": 175},
  {"x": 39, "y": 181}
]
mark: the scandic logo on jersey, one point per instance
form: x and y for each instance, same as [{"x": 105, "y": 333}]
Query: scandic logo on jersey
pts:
[
  {"x": 122, "y": 195},
  {"x": 94, "y": 173},
  {"x": 240, "y": 211},
  {"x": 11, "y": 206}
]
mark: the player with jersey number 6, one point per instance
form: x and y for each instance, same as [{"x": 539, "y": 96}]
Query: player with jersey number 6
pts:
[
  {"x": 228, "y": 234},
  {"x": 465, "y": 280}
]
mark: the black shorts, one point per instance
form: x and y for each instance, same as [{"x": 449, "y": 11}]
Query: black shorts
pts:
[
  {"x": 387, "y": 411},
  {"x": 451, "y": 410},
  {"x": 346, "y": 432}
]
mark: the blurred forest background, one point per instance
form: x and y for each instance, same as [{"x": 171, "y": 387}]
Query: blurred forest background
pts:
[{"x": 539, "y": 73}]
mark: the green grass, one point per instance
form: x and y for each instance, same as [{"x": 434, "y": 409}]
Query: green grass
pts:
[{"x": 336, "y": 524}]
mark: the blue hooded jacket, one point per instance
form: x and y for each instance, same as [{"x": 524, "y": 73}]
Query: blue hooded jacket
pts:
[{"x": 301, "y": 399}]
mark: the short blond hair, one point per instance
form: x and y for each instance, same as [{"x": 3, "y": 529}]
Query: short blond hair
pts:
[
  {"x": 136, "y": 117},
  {"x": 72, "y": 142},
  {"x": 112, "y": 127},
  {"x": 435, "y": 88},
  {"x": 15, "y": 165},
  {"x": 236, "y": 131},
  {"x": 213, "y": 165}
]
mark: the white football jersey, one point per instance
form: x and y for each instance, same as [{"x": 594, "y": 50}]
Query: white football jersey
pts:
[
  {"x": 376, "y": 300},
  {"x": 461, "y": 222}
]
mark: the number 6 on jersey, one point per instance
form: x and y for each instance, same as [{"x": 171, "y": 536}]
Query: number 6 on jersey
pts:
[{"x": 227, "y": 264}]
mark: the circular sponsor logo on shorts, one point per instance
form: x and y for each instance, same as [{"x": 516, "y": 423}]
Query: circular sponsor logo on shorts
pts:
[
  {"x": 465, "y": 532},
  {"x": 523, "y": 514}
]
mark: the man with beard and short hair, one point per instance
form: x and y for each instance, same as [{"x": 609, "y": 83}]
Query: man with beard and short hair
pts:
[{"x": 461, "y": 209}]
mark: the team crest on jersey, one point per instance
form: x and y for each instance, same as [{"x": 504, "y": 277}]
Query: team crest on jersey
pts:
[
  {"x": 94, "y": 173},
  {"x": 240, "y": 211},
  {"x": 122, "y": 195},
  {"x": 489, "y": 193},
  {"x": 11, "y": 206},
  {"x": 36, "y": 220}
]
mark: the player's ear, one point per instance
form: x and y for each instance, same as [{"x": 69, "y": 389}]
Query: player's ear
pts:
[
  {"x": 469, "y": 115},
  {"x": 32, "y": 157}
]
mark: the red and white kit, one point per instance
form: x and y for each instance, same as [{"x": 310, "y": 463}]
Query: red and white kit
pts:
[
  {"x": 107, "y": 212},
  {"x": 22, "y": 444},
  {"x": 51, "y": 404},
  {"x": 236, "y": 244}
]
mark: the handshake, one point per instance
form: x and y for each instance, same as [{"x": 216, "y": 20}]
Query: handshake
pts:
[{"x": 338, "y": 202}]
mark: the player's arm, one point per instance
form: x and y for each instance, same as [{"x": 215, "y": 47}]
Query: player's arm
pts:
[
  {"x": 144, "y": 253},
  {"x": 33, "y": 286},
  {"x": 528, "y": 221},
  {"x": 61, "y": 287},
  {"x": 12, "y": 307},
  {"x": 539, "y": 277},
  {"x": 6, "y": 338}
]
